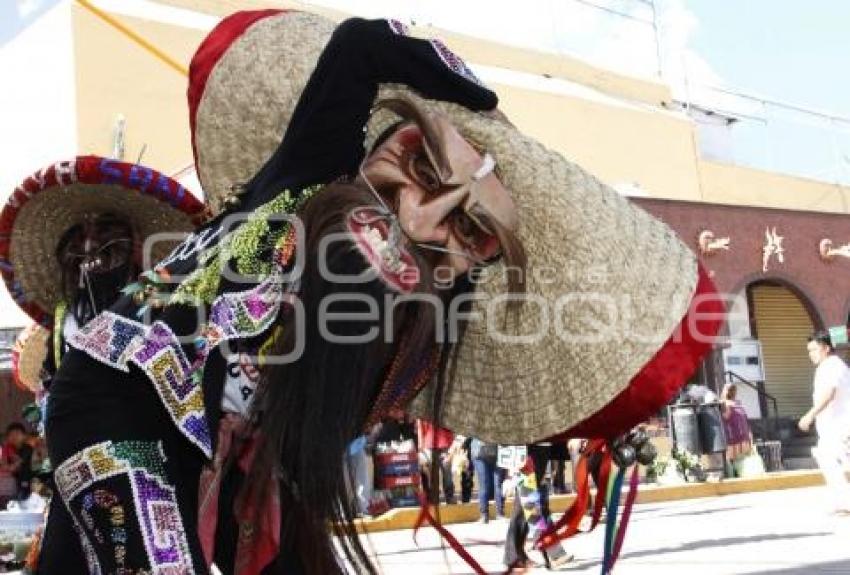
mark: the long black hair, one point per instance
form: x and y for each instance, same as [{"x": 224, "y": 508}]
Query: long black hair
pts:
[{"x": 308, "y": 410}]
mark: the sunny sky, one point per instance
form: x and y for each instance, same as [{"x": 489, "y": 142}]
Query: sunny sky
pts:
[{"x": 781, "y": 51}]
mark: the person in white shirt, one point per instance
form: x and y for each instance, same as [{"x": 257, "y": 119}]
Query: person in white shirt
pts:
[{"x": 831, "y": 414}]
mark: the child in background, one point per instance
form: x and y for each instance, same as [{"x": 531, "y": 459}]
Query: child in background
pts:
[{"x": 530, "y": 518}]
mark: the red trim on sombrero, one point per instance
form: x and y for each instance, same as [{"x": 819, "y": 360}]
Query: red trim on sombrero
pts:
[
  {"x": 95, "y": 171},
  {"x": 659, "y": 380},
  {"x": 213, "y": 47}
]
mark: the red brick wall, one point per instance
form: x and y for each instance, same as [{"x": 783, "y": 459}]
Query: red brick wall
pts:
[{"x": 824, "y": 286}]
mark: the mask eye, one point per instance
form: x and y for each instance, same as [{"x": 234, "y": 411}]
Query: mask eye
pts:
[
  {"x": 424, "y": 173},
  {"x": 465, "y": 229},
  {"x": 475, "y": 239}
]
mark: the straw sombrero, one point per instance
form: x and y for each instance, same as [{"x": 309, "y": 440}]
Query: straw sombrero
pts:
[
  {"x": 597, "y": 347},
  {"x": 61, "y": 195},
  {"x": 28, "y": 355}
]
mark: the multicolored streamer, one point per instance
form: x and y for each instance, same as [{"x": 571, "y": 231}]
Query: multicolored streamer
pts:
[
  {"x": 609, "y": 490},
  {"x": 615, "y": 486}
]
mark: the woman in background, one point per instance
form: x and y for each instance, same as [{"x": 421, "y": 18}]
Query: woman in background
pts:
[{"x": 739, "y": 439}]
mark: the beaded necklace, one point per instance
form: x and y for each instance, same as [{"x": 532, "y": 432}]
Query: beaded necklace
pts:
[{"x": 244, "y": 246}]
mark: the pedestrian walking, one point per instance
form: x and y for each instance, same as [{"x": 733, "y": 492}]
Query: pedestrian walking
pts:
[
  {"x": 489, "y": 478},
  {"x": 530, "y": 518},
  {"x": 830, "y": 413}
]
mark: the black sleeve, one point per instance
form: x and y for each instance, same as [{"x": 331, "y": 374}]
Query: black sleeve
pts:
[
  {"x": 325, "y": 137},
  {"x": 48, "y": 366}
]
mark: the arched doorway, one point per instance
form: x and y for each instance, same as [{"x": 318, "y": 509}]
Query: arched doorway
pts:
[{"x": 782, "y": 321}]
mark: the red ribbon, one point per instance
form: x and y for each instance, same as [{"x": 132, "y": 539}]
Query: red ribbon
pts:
[
  {"x": 425, "y": 515},
  {"x": 568, "y": 524}
]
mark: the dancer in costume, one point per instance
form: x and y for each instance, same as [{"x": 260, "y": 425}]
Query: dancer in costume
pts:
[
  {"x": 427, "y": 186},
  {"x": 71, "y": 237}
]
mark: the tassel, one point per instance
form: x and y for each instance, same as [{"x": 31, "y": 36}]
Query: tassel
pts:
[
  {"x": 608, "y": 492},
  {"x": 568, "y": 524},
  {"x": 627, "y": 513},
  {"x": 615, "y": 486}
]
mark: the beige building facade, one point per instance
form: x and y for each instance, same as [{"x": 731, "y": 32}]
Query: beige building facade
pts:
[{"x": 625, "y": 130}]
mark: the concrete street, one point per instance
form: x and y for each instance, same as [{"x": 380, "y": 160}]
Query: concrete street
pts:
[{"x": 784, "y": 532}]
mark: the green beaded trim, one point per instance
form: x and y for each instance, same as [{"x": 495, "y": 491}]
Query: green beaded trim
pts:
[
  {"x": 243, "y": 246},
  {"x": 140, "y": 454},
  {"x": 58, "y": 327}
]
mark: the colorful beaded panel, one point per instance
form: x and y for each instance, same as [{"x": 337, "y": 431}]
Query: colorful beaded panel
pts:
[
  {"x": 118, "y": 493},
  {"x": 404, "y": 380},
  {"x": 453, "y": 61},
  {"x": 118, "y": 341},
  {"x": 398, "y": 27},
  {"x": 243, "y": 247}
]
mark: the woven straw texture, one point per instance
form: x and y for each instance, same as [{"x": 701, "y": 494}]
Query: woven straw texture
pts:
[
  {"x": 599, "y": 268},
  {"x": 251, "y": 95},
  {"x": 607, "y": 285},
  {"x": 30, "y": 352},
  {"x": 41, "y": 222}
]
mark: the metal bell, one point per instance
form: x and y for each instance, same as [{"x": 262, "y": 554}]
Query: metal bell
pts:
[
  {"x": 647, "y": 453},
  {"x": 637, "y": 438},
  {"x": 624, "y": 455}
]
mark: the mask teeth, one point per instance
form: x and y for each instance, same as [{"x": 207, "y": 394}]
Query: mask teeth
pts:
[{"x": 387, "y": 251}]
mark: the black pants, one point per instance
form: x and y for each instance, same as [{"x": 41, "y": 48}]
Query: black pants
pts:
[
  {"x": 517, "y": 534},
  {"x": 126, "y": 480},
  {"x": 518, "y": 530},
  {"x": 444, "y": 468}
]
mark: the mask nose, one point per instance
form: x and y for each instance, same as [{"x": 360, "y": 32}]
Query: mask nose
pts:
[{"x": 428, "y": 223}]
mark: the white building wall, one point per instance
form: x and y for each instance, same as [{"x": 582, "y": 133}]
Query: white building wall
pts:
[{"x": 37, "y": 110}]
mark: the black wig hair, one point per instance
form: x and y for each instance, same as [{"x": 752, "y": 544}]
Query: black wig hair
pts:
[{"x": 308, "y": 410}]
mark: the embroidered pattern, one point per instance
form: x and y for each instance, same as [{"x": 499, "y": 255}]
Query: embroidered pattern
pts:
[
  {"x": 106, "y": 501},
  {"x": 248, "y": 313},
  {"x": 247, "y": 247},
  {"x": 453, "y": 61},
  {"x": 404, "y": 380},
  {"x": 399, "y": 28},
  {"x": 154, "y": 505},
  {"x": 118, "y": 341}
]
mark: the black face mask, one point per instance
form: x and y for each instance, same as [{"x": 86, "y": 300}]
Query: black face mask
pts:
[{"x": 99, "y": 289}]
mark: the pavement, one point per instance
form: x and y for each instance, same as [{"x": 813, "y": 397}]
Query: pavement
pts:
[
  {"x": 649, "y": 493},
  {"x": 779, "y": 532}
]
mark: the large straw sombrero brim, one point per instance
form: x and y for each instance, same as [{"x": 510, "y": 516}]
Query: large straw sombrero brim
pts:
[
  {"x": 63, "y": 194},
  {"x": 28, "y": 355},
  {"x": 607, "y": 284},
  {"x": 245, "y": 81},
  {"x": 613, "y": 281}
]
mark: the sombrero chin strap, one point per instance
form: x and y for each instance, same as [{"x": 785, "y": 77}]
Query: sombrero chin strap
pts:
[{"x": 98, "y": 290}]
